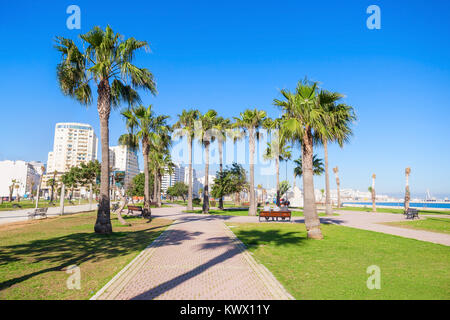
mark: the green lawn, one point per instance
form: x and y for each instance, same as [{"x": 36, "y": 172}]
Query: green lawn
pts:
[
  {"x": 245, "y": 213},
  {"x": 335, "y": 267},
  {"x": 441, "y": 225},
  {"x": 34, "y": 255},
  {"x": 393, "y": 210},
  {"x": 27, "y": 204}
]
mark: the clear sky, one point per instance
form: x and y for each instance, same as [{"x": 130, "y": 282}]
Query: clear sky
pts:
[{"x": 232, "y": 55}]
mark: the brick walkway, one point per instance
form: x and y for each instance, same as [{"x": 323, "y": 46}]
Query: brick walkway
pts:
[{"x": 195, "y": 258}]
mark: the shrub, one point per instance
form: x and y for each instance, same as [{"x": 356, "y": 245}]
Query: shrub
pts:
[
  {"x": 196, "y": 201},
  {"x": 212, "y": 203}
]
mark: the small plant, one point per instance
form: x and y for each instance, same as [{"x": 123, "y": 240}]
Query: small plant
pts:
[
  {"x": 196, "y": 201},
  {"x": 212, "y": 203}
]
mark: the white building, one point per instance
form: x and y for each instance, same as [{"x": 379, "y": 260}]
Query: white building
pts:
[
  {"x": 26, "y": 175},
  {"x": 168, "y": 180},
  {"x": 74, "y": 143},
  {"x": 122, "y": 158}
]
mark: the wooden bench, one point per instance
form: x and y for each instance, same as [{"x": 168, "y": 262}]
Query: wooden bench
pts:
[
  {"x": 275, "y": 214},
  {"x": 42, "y": 212},
  {"x": 411, "y": 213},
  {"x": 131, "y": 209}
]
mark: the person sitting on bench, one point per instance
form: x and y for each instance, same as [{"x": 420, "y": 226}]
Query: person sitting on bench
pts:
[
  {"x": 267, "y": 207},
  {"x": 284, "y": 207}
]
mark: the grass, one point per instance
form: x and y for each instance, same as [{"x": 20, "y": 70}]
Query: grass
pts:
[
  {"x": 335, "y": 267},
  {"x": 298, "y": 213},
  {"x": 441, "y": 225},
  {"x": 394, "y": 210},
  {"x": 35, "y": 255},
  {"x": 27, "y": 204}
]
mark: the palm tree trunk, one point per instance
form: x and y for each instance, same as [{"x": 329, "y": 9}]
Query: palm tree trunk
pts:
[
  {"x": 252, "y": 208},
  {"x": 145, "y": 152},
  {"x": 205, "y": 189},
  {"x": 220, "y": 169},
  {"x": 328, "y": 209},
  {"x": 155, "y": 185},
  {"x": 312, "y": 221},
  {"x": 374, "y": 207},
  {"x": 90, "y": 196},
  {"x": 103, "y": 223},
  {"x": 407, "y": 193},
  {"x": 277, "y": 167},
  {"x": 158, "y": 201},
  {"x": 190, "y": 174}
]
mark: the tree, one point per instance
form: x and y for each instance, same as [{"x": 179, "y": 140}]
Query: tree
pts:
[
  {"x": 136, "y": 188},
  {"x": 105, "y": 62},
  {"x": 338, "y": 184},
  {"x": 250, "y": 121},
  {"x": 338, "y": 118},
  {"x": 407, "y": 192},
  {"x": 284, "y": 187},
  {"x": 317, "y": 166},
  {"x": 232, "y": 180},
  {"x": 186, "y": 122},
  {"x": 303, "y": 117},
  {"x": 179, "y": 189},
  {"x": 222, "y": 126},
  {"x": 89, "y": 173},
  {"x": 205, "y": 136},
  {"x": 277, "y": 149},
  {"x": 143, "y": 124},
  {"x": 372, "y": 190}
]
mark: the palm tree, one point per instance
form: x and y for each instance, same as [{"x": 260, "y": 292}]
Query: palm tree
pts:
[
  {"x": 338, "y": 118},
  {"x": 206, "y": 123},
  {"x": 407, "y": 193},
  {"x": 303, "y": 117},
  {"x": 250, "y": 121},
  {"x": 374, "y": 208},
  {"x": 338, "y": 184},
  {"x": 186, "y": 121},
  {"x": 106, "y": 61},
  {"x": 140, "y": 123},
  {"x": 276, "y": 150},
  {"x": 222, "y": 127},
  {"x": 160, "y": 159},
  {"x": 317, "y": 166}
]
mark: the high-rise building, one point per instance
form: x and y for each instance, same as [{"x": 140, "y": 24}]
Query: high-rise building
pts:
[
  {"x": 168, "y": 180},
  {"x": 26, "y": 176},
  {"x": 74, "y": 143},
  {"x": 122, "y": 158}
]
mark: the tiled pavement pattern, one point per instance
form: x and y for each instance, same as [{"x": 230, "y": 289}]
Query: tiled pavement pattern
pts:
[
  {"x": 195, "y": 258},
  {"x": 198, "y": 257}
]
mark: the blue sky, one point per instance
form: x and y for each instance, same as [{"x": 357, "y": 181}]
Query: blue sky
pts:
[{"x": 232, "y": 55}]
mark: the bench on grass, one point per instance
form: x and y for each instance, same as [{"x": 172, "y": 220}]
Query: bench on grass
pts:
[
  {"x": 275, "y": 214},
  {"x": 131, "y": 209},
  {"x": 411, "y": 213},
  {"x": 42, "y": 212}
]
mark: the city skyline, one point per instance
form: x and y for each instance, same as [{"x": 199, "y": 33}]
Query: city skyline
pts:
[{"x": 402, "y": 119}]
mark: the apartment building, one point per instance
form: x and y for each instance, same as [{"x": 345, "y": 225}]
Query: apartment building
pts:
[{"x": 122, "y": 158}]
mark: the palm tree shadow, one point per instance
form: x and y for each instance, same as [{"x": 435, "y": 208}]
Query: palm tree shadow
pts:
[
  {"x": 61, "y": 252},
  {"x": 231, "y": 248}
]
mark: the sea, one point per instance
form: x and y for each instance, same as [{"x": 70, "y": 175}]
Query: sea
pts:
[{"x": 437, "y": 205}]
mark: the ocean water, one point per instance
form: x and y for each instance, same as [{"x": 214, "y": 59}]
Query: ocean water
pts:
[{"x": 400, "y": 204}]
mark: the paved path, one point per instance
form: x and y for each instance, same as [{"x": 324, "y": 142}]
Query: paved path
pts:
[
  {"x": 22, "y": 215},
  {"x": 197, "y": 257}
]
